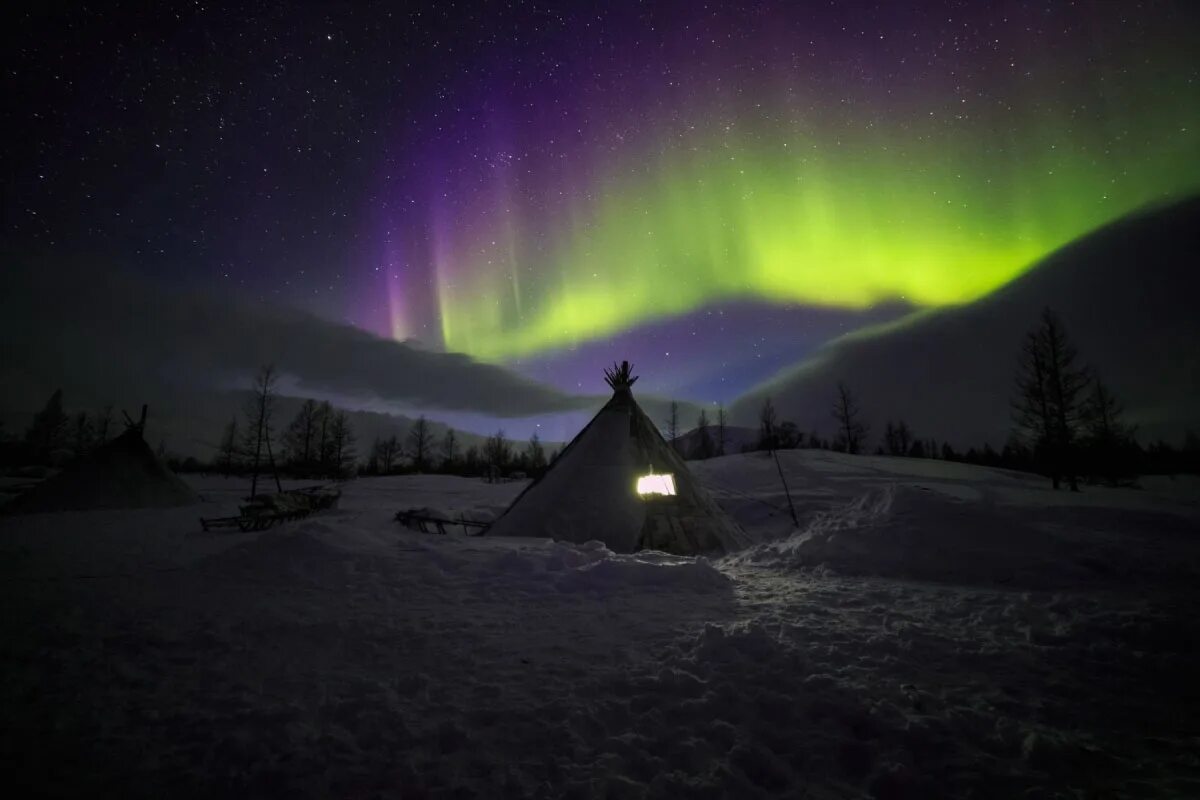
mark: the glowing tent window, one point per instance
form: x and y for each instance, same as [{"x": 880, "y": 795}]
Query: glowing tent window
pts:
[{"x": 656, "y": 484}]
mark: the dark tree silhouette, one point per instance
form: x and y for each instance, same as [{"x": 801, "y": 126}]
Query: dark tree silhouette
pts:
[
  {"x": 324, "y": 452},
  {"x": 1109, "y": 442},
  {"x": 471, "y": 460},
  {"x": 851, "y": 429},
  {"x": 704, "y": 444},
  {"x": 341, "y": 445},
  {"x": 787, "y": 435},
  {"x": 497, "y": 455},
  {"x": 767, "y": 422},
  {"x": 301, "y": 439},
  {"x": 673, "y": 425},
  {"x": 535, "y": 455},
  {"x": 449, "y": 449},
  {"x": 1048, "y": 406},
  {"x": 387, "y": 454},
  {"x": 420, "y": 444},
  {"x": 259, "y": 409},
  {"x": 721, "y": 432}
]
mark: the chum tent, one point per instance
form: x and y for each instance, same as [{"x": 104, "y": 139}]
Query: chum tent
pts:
[
  {"x": 619, "y": 482},
  {"x": 122, "y": 473}
]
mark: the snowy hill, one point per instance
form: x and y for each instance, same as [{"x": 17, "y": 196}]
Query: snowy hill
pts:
[
  {"x": 931, "y": 629},
  {"x": 1126, "y": 294}
]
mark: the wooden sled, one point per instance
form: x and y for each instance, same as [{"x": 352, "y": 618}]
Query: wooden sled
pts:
[
  {"x": 273, "y": 509},
  {"x": 419, "y": 519}
]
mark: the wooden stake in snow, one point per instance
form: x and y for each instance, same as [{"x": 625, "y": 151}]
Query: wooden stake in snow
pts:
[{"x": 786, "y": 492}]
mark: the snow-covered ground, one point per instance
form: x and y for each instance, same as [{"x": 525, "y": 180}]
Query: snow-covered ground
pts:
[{"x": 932, "y": 630}]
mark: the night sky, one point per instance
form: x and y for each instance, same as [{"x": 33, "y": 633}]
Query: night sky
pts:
[{"x": 710, "y": 190}]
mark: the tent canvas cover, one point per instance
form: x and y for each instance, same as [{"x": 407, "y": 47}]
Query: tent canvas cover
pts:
[
  {"x": 123, "y": 473},
  {"x": 590, "y": 491}
]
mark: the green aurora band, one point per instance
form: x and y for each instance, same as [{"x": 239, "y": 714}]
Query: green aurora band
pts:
[{"x": 930, "y": 217}]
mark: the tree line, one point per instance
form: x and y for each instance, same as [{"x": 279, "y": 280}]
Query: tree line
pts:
[
  {"x": 320, "y": 442},
  {"x": 422, "y": 451},
  {"x": 1067, "y": 425}
]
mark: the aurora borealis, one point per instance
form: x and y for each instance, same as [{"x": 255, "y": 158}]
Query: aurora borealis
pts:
[
  {"x": 911, "y": 164},
  {"x": 864, "y": 224},
  {"x": 713, "y": 189}
]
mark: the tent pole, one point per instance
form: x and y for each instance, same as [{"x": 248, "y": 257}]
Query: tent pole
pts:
[{"x": 786, "y": 492}]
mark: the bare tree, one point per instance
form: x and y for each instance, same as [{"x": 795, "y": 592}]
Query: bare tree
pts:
[
  {"x": 1110, "y": 441},
  {"x": 767, "y": 423},
  {"x": 301, "y": 438},
  {"x": 535, "y": 455},
  {"x": 673, "y": 425},
  {"x": 420, "y": 443},
  {"x": 449, "y": 449},
  {"x": 341, "y": 444},
  {"x": 324, "y": 452},
  {"x": 704, "y": 444},
  {"x": 259, "y": 409},
  {"x": 851, "y": 429},
  {"x": 387, "y": 452},
  {"x": 1048, "y": 406},
  {"x": 721, "y": 424},
  {"x": 471, "y": 461},
  {"x": 497, "y": 453}
]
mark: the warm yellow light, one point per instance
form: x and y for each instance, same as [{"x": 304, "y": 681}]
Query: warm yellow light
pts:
[{"x": 656, "y": 484}]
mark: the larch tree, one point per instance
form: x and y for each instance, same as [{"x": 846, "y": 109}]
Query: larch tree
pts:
[
  {"x": 259, "y": 408},
  {"x": 704, "y": 443},
  {"x": 1048, "y": 404},
  {"x": 301, "y": 438},
  {"x": 497, "y": 453},
  {"x": 721, "y": 430},
  {"x": 387, "y": 454},
  {"x": 341, "y": 444},
  {"x": 673, "y": 425},
  {"x": 851, "y": 429},
  {"x": 535, "y": 455},
  {"x": 324, "y": 454},
  {"x": 420, "y": 443},
  {"x": 449, "y": 450},
  {"x": 1109, "y": 440},
  {"x": 768, "y": 423}
]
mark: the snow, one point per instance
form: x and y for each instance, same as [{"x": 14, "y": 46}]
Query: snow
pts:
[{"x": 931, "y": 629}]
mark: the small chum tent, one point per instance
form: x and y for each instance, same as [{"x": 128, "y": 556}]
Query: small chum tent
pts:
[
  {"x": 619, "y": 482},
  {"x": 123, "y": 473}
]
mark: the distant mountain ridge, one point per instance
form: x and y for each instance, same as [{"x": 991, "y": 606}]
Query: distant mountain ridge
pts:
[{"x": 1127, "y": 293}]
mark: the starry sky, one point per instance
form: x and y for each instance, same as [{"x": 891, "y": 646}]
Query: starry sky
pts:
[{"x": 712, "y": 190}]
